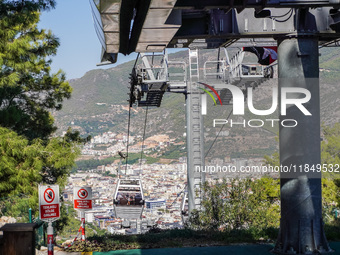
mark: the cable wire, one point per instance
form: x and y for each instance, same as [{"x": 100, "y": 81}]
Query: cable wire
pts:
[
  {"x": 281, "y": 16},
  {"x": 291, "y": 13},
  {"x": 128, "y": 138},
  {"x": 141, "y": 153},
  {"x": 217, "y": 135},
  {"x": 129, "y": 120},
  {"x": 183, "y": 190},
  {"x": 218, "y": 62}
]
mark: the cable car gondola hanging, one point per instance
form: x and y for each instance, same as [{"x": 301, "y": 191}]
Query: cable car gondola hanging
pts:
[{"x": 129, "y": 199}]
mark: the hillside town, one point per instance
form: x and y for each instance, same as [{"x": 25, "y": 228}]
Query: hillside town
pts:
[
  {"x": 109, "y": 144},
  {"x": 163, "y": 184}
]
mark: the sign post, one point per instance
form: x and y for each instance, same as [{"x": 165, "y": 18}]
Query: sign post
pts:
[
  {"x": 82, "y": 200},
  {"x": 50, "y": 239},
  {"x": 49, "y": 210}
]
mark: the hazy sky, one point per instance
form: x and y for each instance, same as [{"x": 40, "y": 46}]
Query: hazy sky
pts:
[{"x": 79, "y": 51}]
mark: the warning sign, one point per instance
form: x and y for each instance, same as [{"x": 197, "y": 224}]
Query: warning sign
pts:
[
  {"x": 49, "y": 211},
  {"x": 49, "y": 208},
  {"x": 49, "y": 195},
  {"x": 82, "y": 204},
  {"x": 82, "y": 193},
  {"x": 82, "y": 199}
]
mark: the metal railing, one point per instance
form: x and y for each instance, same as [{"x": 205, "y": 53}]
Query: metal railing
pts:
[{"x": 215, "y": 70}]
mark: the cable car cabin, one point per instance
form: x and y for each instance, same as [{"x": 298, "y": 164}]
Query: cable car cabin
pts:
[
  {"x": 129, "y": 200},
  {"x": 185, "y": 207}
]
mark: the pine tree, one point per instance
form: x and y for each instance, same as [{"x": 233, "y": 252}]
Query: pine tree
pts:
[
  {"x": 30, "y": 5},
  {"x": 28, "y": 91},
  {"x": 25, "y": 164}
]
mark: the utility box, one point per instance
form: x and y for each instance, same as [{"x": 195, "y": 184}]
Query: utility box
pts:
[{"x": 18, "y": 239}]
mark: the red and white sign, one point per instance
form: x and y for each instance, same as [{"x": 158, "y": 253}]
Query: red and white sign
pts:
[
  {"x": 82, "y": 198},
  {"x": 49, "y": 208}
]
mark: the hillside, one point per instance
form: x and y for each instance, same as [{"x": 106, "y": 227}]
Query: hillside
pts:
[{"x": 99, "y": 104}]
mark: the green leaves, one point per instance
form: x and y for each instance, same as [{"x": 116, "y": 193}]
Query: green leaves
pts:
[
  {"x": 24, "y": 164},
  {"x": 330, "y": 147},
  {"x": 58, "y": 160},
  {"x": 239, "y": 204},
  {"x": 13, "y": 6},
  {"x": 19, "y": 164},
  {"x": 330, "y": 199},
  {"x": 28, "y": 91}
]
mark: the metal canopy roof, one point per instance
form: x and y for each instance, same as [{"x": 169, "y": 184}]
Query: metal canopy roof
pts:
[{"x": 153, "y": 25}]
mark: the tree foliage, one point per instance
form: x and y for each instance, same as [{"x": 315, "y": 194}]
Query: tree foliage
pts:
[
  {"x": 25, "y": 164},
  {"x": 28, "y": 91},
  {"x": 239, "y": 204},
  {"x": 29, "y": 5},
  {"x": 330, "y": 151},
  {"x": 330, "y": 199},
  {"x": 330, "y": 146},
  {"x": 29, "y": 155}
]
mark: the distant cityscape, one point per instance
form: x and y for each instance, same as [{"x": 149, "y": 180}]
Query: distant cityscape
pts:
[
  {"x": 109, "y": 144},
  {"x": 163, "y": 183}
]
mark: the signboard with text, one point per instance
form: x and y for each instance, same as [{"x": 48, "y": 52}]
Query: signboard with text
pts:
[
  {"x": 82, "y": 198},
  {"x": 49, "y": 208}
]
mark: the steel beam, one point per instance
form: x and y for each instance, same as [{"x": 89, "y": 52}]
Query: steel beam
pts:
[
  {"x": 153, "y": 25},
  {"x": 194, "y": 133},
  {"x": 301, "y": 230},
  {"x": 240, "y": 5},
  {"x": 195, "y": 146}
]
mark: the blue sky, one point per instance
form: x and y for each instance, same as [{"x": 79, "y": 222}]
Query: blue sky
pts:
[{"x": 79, "y": 51}]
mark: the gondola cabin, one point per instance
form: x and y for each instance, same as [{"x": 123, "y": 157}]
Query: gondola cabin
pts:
[{"x": 128, "y": 199}]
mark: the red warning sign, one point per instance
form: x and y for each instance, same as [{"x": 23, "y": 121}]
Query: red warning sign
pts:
[
  {"x": 49, "y": 207},
  {"x": 82, "y": 204},
  {"x": 82, "y": 199},
  {"x": 49, "y": 211}
]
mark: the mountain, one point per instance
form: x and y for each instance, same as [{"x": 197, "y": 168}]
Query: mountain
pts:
[{"x": 99, "y": 104}]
